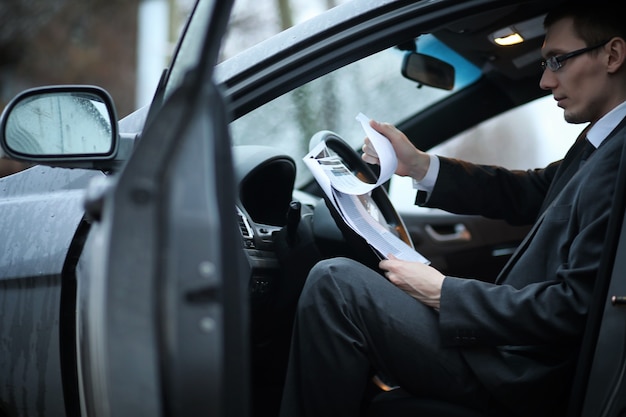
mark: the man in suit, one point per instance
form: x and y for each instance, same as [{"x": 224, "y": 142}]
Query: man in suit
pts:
[{"x": 504, "y": 348}]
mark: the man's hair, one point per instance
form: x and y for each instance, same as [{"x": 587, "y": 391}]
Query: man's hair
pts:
[{"x": 594, "y": 21}]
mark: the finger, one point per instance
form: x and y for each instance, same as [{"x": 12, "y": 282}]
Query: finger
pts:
[
  {"x": 383, "y": 128},
  {"x": 368, "y": 148},
  {"x": 376, "y": 124},
  {"x": 370, "y": 159},
  {"x": 384, "y": 265}
]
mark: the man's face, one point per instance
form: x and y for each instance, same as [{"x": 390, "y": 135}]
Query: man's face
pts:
[{"x": 580, "y": 86}]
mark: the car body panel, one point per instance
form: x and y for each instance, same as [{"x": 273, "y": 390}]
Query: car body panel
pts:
[{"x": 40, "y": 210}]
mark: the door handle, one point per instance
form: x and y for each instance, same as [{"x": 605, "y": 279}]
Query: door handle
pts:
[
  {"x": 618, "y": 300},
  {"x": 458, "y": 233}
]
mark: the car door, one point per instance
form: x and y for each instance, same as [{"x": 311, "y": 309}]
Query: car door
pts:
[{"x": 161, "y": 320}]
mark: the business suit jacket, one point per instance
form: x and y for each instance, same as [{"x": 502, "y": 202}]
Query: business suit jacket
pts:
[{"x": 521, "y": 335}]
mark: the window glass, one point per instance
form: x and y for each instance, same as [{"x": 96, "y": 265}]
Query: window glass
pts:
[
  {"x": 374, "y": 85},
  {"x": 530, "y": 136}
]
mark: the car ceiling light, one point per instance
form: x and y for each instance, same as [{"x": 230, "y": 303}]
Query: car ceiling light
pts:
[
  {"x": 518, "y": 33},
  {"x": 510, "y": 39}
]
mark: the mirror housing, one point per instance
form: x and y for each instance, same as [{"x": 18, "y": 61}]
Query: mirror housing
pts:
[
  {"x": 428, "y": 70},
  {"x": 69, "y": 126}
]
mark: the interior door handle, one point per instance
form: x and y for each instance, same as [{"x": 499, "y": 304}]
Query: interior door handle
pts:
[
  {"x": 458, "y": 233},
  {"x": 618, "y": 300}
]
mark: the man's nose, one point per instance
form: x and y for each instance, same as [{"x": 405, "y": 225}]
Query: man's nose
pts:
[{"x": 548, "y": 80}]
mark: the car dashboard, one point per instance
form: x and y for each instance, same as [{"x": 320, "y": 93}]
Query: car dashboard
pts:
[{"x": 265, "y": 180}]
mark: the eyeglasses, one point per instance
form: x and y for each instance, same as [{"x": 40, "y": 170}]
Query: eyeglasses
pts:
[{"x": 555, "y": 62}]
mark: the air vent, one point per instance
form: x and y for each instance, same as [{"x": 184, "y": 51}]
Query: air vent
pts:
[{"x": 244, "y": 226}]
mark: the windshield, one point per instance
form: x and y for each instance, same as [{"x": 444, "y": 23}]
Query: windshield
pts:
[{"x": 373, "y": 86}]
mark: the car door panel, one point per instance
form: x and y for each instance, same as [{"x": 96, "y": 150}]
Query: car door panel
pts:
[
  {"x": 163, "y": 309},
  {"x": 465, "y": 246}
]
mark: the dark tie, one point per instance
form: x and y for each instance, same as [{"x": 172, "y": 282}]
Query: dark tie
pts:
[
  {"x": 587, "y": 150},
  {"x": 572, "y": 163}
]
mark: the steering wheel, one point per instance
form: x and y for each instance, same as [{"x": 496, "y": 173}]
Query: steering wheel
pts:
[{"x": 378, "y": 202}]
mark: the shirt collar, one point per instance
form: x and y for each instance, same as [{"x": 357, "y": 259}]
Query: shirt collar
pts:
[{"x": 606, "y": 124}]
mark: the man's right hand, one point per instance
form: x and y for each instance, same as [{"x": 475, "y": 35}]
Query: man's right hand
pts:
[{"x": 411, "y": 161}]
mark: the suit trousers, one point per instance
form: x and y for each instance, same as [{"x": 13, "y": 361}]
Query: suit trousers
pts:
[{"x": 351, "y": 318}]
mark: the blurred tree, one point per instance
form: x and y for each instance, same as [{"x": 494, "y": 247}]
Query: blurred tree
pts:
[
  {"x": 69, "y": 42},
  {"x": 22, "y": 18},
  {"x": 284, "y": 11}
]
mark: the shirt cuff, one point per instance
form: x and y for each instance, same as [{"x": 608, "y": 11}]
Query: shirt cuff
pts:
[{"x": 428, "y": 182}]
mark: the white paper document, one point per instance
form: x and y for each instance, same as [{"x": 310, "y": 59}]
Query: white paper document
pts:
[{"x": 351, "y": 197}]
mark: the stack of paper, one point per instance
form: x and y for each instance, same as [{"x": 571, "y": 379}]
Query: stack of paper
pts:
[{"x": 351, "y": 197}]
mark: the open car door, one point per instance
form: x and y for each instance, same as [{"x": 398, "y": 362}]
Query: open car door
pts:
[{"x": 161, "y": 319}]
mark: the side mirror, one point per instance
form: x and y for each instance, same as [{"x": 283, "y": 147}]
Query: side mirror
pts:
[
  {"x": 62, "y": 125},
  {"x": 428, "y": 70}
]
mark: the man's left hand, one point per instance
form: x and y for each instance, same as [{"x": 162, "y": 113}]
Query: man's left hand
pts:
[{"x": 420, "y": 281}]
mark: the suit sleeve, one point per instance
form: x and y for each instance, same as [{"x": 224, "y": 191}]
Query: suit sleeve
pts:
[{"x": 494, "y": 192}]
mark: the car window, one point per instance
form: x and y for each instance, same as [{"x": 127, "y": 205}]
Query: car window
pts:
[
  {"x": 374, "y": 86},
  {"x": 527, "y": 137}
]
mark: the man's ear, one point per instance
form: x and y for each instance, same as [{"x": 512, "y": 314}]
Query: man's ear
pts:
[{"x": 617, "y": 54}]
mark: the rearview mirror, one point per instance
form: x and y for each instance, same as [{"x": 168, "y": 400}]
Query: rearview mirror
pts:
[
  {"x": 61, "y": 123},
  {"x": 428, "y": 70}
]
